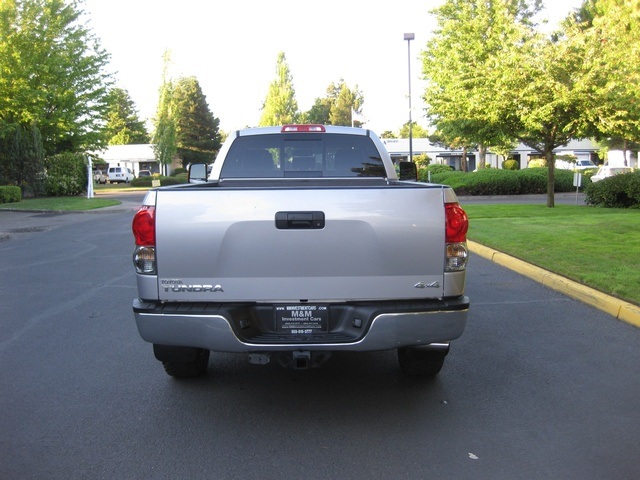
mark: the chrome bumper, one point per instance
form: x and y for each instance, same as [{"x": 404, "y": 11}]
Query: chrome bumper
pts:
[{"x": 214, "y": 331}]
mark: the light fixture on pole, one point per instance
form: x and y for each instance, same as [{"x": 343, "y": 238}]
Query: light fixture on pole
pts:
[{"x": 408, "y": 37}]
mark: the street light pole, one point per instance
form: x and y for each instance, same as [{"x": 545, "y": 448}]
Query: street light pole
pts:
[{"x": 408, "y": 37}]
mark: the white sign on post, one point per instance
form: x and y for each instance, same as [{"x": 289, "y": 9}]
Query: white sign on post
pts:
[
  {"x": 577, "y": 179},
  {"x": 577, "y": 182}
]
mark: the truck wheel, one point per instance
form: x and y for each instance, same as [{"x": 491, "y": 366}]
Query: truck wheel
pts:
[
  {"x": 422, "y": 361},
  {"x": 188, "y": 369}
]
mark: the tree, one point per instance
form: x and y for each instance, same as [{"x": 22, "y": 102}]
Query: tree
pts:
[
  {"x": 345, "y": 105},
  {"x": 197, "y": 137},
  {"x": 606, "y": 31},
  {"x": 22, "y": 159},
  {"x": 469, "y": 41},
  {"x": 280, "y": 107},
  {"x": 164, "y": 138},
  {"x": 506, "y": 76},
  {"x": 416, "y": 131},
  {"x": 123, "y": 127},
  {"x": 52, "y": 74},
  {"x": 337, "y": 106}
]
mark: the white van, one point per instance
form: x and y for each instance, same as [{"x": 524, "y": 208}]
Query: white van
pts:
[{"x": 120, "y": 174}]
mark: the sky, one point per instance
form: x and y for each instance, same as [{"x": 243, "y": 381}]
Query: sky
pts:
[{"x": 231, "y": 47}]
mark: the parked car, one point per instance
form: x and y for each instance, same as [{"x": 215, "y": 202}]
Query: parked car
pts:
[
  {"x": 100, "y": 177},
  {"x": 120, "y": 174},
  {"x": 144, "y": 173},
  {"x": 585, "y": 165},
  {"x": 607, "y": 171}
]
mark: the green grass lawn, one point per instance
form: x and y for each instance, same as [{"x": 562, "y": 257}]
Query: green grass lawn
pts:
[
  {"x": 597, "y": 247},
  {"x": 60, "y": 203}
]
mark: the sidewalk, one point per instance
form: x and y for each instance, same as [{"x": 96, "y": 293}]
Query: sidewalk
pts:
[{"x": 624, "y": 311}]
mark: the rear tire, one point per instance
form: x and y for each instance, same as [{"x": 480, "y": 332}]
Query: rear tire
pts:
[
  {"x": 183, "y": 362},
  {"x": 421, "y": 361}
]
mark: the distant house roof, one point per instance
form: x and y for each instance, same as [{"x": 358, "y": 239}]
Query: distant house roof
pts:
[
  {"x": 128, "y": 153},
  {"x": 400, "y": 147}
]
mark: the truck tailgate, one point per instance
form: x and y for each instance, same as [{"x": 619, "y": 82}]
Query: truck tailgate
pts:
[{"x": 225, "y": 245}]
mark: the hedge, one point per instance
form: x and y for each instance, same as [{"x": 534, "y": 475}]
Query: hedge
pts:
[
  {"x": 10, "y": 194},
  {"x": 619, "y": 191},
  {"x": 66, "y": 174},
  {"x": 492, "y": 181}
]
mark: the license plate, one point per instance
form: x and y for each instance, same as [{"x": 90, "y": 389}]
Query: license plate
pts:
[{"x": 302, "y": 319}]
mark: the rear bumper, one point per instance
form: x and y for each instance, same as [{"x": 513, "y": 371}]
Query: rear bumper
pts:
[{"x": 213, "y": 327}]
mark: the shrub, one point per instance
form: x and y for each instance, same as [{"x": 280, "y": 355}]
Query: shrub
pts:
[
  {"x": 492, "y": 182},
  {"x": 537, "y": 163},
  {"x": 10, "y": 194},
  {"x": 423, "y": 172},
  {"x": 510, "y": 165},
  {"x": 619, "y": 191},
  {"x": 178, "y": 171},
  {"x": 164, "y": 181},
  {"x": 533, "y": 180},
  {"x": 563, "y": 180},
  {"x": 66, "y": 174}
]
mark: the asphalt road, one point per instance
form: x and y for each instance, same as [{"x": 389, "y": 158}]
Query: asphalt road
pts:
[{"x": 540, "y": 386}]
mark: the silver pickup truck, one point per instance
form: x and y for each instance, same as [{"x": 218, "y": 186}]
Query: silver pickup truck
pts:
[{"x": 297, "y": 242}]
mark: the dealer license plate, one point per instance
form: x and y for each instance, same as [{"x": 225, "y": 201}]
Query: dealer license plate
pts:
[{"x": 302, "y": 319}]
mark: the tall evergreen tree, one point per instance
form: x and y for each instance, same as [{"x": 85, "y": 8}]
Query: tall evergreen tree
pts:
[
  {"x": 197, "y": 130},
  {"x": 280, "y": 107},
  {"x": 124, "y": 127}
]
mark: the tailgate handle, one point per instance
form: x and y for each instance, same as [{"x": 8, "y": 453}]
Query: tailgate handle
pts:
[{"x": 299, "y": 220}]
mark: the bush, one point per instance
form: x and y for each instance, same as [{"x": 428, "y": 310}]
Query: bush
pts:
[
  {"x": 164, "y": 181},
  {"x": 66, "y": 174},
  {"x": 533, "y": 180},
  {"x": 511, "y": 165},
  {"x": 10, "y": 194},
  {"x": 423, "y": 172},
  {"x": 178, "y": 171},
  {"x": 619, "y": 191},
  {"x": 492, "y": 181}
]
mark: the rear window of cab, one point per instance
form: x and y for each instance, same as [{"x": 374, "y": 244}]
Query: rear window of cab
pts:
[{"x": 300, "y": 155}]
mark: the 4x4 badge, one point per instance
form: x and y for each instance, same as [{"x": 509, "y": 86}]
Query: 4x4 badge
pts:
[{"x": 435, "y": 284}]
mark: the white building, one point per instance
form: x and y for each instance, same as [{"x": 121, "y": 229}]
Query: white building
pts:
[
  {"x": 398, "y": 148},
  {"x": 136, "y": 157}
]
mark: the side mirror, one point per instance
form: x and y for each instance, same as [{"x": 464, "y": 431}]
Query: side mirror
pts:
[
  {"x": 408, "y": 171},
  {"x": 197, "y": 173}
]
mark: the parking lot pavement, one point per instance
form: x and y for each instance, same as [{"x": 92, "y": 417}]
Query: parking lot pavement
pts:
[{"x": 566, "y": 198}]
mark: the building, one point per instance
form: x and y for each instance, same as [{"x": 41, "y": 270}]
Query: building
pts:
[
  {"x": 136, "y": 157},
  {"x": 398, "y": 148}
]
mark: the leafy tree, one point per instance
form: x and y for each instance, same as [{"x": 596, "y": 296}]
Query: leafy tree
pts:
[
  {"x": 470, "y": 38},
  {"x": 164, "y": 138},
  {"x": 416, "y": 131},
  {"x": 197, "y": 137},
  {"x": 517, "y": 82},
  {"x": 320, "y": 111},
  {"x": 124, "y": 127},
  {"x": 606, "y": 30},
  {"x": 280, "y": 107},
  {"x": 52, "y": 74},
  {"x": 337, "y": 106}
]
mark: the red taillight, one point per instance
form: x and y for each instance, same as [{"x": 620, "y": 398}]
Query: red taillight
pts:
[
  {"x": 302, "y": 128},
  {"x": 144, "y": 226},
  {"x": 457, "y": 223}
]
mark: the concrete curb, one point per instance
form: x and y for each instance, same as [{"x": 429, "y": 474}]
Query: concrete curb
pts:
[{"x": 624, "y": 311}]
